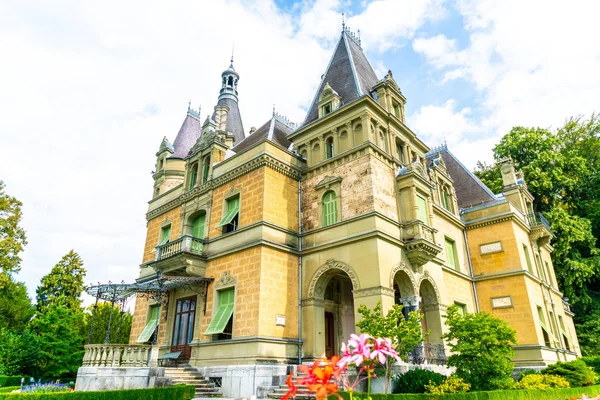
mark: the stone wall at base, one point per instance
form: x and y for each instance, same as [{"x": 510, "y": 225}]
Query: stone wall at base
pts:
[{"x": 115, "y": 378}]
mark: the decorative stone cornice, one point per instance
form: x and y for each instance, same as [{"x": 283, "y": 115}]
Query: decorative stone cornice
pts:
[
  {"x": 373, "y": 291},
  {"x": 263, "y": 160}
]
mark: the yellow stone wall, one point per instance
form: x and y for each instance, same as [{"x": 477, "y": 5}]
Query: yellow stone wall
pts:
[
  {"x": 280, "y": 199},
  {"x": 153, "y": 231},
  {"x": 506, "y": 260},
  {"x": 384, "y": 195}
]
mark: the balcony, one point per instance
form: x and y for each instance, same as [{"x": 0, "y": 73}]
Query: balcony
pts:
[
  {"x": 183, "y": 256},
  {"x": 426, "y": 353},
  {"x": 540, "y": 229},
  {"x": 419, "y": 242},
  {"x": 116, "y": 355}
]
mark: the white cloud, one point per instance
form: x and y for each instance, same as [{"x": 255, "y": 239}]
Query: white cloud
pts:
[
  {"x": 534, "y": 63},
  {"x": 90, "y": 89}
]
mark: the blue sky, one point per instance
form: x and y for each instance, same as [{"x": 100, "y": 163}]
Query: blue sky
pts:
[{"x": 88, "y": 91}]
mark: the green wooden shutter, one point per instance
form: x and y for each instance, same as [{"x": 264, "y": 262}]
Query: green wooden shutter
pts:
[
  {"x": 165, "y": 234},
  {"x": 451, "y": 253},
  {"x": 193, "y": 180},
  {"x": 224, "y": 312},
  {"x": 198, "y": 227},
  {"x": 422, "y": 212},
  {"x": 233, "y": 208},
  {"x": 527, "y": 258},
  {"x": 205, "y": 169},
  {"x": 329, "y": 209},
  {"x": 150, "y": 327}
]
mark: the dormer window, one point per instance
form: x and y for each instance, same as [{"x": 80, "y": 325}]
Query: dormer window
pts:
[
  {"x": 327, "y": 109},
  {"x": 329, "y": 101}
]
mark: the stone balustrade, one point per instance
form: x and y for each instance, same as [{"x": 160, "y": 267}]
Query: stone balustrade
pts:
[
  {"x": 185, "y": 244},
  {"x": 116, "y": 355}
]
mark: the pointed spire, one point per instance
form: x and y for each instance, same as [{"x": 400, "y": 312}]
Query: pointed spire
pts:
[
  {"x": 232, "y": 48},
  {"x": 273, "y": 109},
  {"x": 343, "y": 23}
]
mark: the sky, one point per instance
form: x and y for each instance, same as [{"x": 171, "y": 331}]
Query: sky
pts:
[{"x": 89, "y": 89}]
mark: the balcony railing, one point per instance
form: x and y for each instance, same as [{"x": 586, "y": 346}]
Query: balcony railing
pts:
[
  {"x": 185, "y": 244},
  {"x": 427, "y": 353},
  {"x": 116, "y": 355},
  {"x": 537, "y": 219}
]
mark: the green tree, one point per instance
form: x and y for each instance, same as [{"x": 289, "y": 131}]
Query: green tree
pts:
[
  {"x": 482, "y": 347},
  {"x": 12, "y": 236},
  {"x": 58, "y": 340},
  {"x": 490, "y": 175},
  {"x": 63, "y": 285},
  {"x": 405, "y": 333},
  {"x": 120, "y": 326},
  {"x": 15, "y": 306},
  {"x": 17, "y": 352}
]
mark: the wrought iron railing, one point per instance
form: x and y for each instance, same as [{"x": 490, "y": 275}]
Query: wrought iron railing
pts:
[
  {"x": 427, "y": 353},
  {"x": 537, "y": 219},
  {"x": 185, "y": 244},
  {"x": 116, "y": 355}
]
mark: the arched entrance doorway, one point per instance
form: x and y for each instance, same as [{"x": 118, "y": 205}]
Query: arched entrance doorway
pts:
[
  {"x": 432, "y": 321},
  {"x": 404, "y": 291},
  {"x": 328, "y": 309}
]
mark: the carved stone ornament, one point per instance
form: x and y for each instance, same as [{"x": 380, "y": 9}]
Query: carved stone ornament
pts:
[
  {"x": 373, "y": 291},
  {"x": 403, "y": 267},
  {"x": 328, "y": 181},
  {"x": 329, "y": 268},
  {"x": 226, "y": 280}
]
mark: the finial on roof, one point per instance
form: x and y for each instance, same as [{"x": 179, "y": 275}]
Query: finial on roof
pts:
[
  {"x": 232, "y": 48},
  {"x": 343, "y": 23},
  {"x": 189, "y": 104},
  {"x": 273, "y": 108}
]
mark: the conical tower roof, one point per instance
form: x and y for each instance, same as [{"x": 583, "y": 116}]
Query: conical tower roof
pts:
[
  {"x": 349, "y": 73},
  {"x": 187, "y": 135}
]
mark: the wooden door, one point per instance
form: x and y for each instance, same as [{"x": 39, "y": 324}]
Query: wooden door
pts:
[
  {"x": 183, "y": 326},
  {"x": 329, "y": 335}
]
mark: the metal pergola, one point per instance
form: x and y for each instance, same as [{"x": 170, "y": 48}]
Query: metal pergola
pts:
[{"x": 155, "y": 287}]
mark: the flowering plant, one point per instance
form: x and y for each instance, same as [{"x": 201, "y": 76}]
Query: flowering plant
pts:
[
  {"x": 324, "y": 376},
  {"x": 46, "y": 388}
]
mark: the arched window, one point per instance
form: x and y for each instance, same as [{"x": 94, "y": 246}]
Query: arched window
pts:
[
  {"x": 193, "y": 176},
  {"x": 329, "y": 147},
  {"x": 205, "y": 169},
  {"x": 230, "y": 81},
  {"x": 329, "y": 209}
]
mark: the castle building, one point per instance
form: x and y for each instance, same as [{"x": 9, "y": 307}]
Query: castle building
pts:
[{"x": 282, "y": 233}]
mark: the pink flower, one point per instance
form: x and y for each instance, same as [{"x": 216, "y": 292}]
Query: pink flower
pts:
[
  {"x": 357, "y": 350},
  {"x": 384, "y": 349}
]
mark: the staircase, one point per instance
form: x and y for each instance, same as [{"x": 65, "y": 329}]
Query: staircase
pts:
[
  {"x": 301, "y": 394},
  {"x": 190, "y": 376}
]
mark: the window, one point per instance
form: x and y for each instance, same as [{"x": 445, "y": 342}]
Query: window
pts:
[
  {"x": 563, "y": 331},
  {"x": 422, "y": 211},
  {"x": 329, "y": 147},
  {"x": 205, "y": 169},
  {"x": 553, "y": 329},
  {"x": 400, "y": 151},
  {"x": 230, "y": 219},
  {"x": 446, "y": 200},
  {"x": 327, "y": 109},
  {"x": 545, "y": 330},
  {"x": 451, "y": 256},
  {"x": 183, "y": 327},
  {"x": 396, "y": 107},
  {"x": 193, "y": 176},
  {"x": 148, "y": 331},
  {"x": 539, "y": 268},
  {"x": 548, "y": 273},
  {"x": 165, "y": 234},
  {"x": 462, "y": 308},
  {"x": 329, "y": 209},
  {"x": 222, "y": 322},
  {"x": 198, "y": 233},
  {"x": 527, "y": 259}
]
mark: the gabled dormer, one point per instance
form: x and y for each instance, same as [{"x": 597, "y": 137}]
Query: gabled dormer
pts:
[
  {"x": 329, "y": 101},
  {"x": 388, "y": 94}
]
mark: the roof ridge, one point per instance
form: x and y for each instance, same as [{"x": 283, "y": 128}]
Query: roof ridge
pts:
[
  {"x": 471, "y": 174},
  {"x": 271, "y": 128},
  {"x": 352, "y": 65}
]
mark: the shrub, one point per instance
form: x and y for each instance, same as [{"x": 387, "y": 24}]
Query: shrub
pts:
[
  {"x": 414, "y": 381},
  {"x": 9, "y": 389},
  {"x": 177, "y": 392},
  {"x": 593, "y": 362},
  {"x": 452, "y": 384},
  {"x": 576, "y": 372},
  {"x": 542, "y": 382},
  {"x": 526, "y": 372},
  {"x": 10, "y": 380}
]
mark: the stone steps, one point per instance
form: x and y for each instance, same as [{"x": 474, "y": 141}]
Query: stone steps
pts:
[{"x": 190, "y": 376}]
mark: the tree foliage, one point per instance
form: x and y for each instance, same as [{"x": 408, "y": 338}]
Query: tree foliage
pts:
[
  {"x": 15, "y": 306},
  {"x": 120, "y": 326},
  {"x": 562, "y": 171},
  {"x": 18, "y": 352},
  {"x": 59, "y": 341},
  {"x": 482, "y": 347},
  {"x": 12, "y": 236},
  {"x": 405, "y": 333},
  {"x": 63, "y": 285}
]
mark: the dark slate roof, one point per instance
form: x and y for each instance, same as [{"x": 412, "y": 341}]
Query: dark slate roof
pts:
[
  {"x": 187, "y": 136},
  {"x": 274, "y": 130},
  {"x": 348, "y": 73},
  {"x": 234, "y": 119},
  {"x": 470, "y": 190}
]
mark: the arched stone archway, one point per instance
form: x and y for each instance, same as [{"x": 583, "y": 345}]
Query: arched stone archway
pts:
[
  {"x": 405, "y": 288},
  {"x": 328, "y": 309},
  {"x": 431, "y": 310}
]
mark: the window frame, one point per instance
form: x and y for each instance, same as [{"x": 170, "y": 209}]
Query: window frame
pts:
[
  {"x": 165, "y": 238},
  {"x": 231, "y": 215},
  {"x": 220, "y": 309},
  {"x": 422, "y": 210},
  {"x": 452, "y": 243},
  {"x": 329, "y": 208}
]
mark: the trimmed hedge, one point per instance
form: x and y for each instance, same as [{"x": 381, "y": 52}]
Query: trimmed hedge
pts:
[
  {"x": 9, "y": 389},
  {"x": 177, "y": 392},
  {"x": 11, "y": 380},
  {"x": 551, "y": 394}
]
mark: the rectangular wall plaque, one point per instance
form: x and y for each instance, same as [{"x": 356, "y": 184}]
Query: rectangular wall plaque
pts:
[
  {"x": 490, "y": 248},
  {"x": 502, "y": 302},
  {"x": 280, "y": 320}
]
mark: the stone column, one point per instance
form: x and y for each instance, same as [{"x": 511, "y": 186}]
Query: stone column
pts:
[
  {"x": 336, "y": 142},
  {"x": 413, "y": 203},
  {"x": 313, "y": 328},
  {"x": 366, "y": 124},
  {"x": 322, "y": 146},
  {"x": 350, "y": 134}
]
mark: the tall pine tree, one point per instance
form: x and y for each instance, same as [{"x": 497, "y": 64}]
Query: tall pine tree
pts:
[{"x": 63, "y": 285}]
